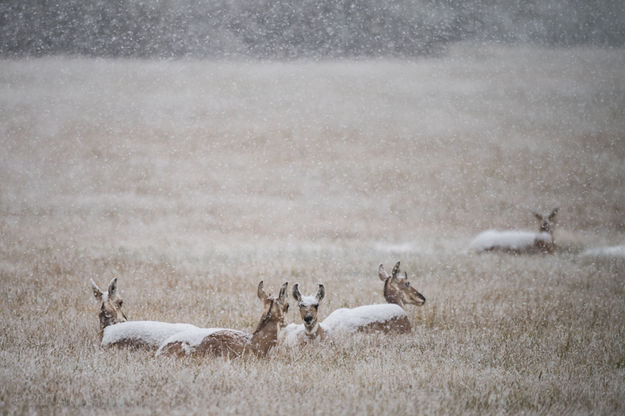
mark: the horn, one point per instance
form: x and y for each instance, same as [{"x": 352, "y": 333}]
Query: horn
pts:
[
  {"x": 261, "y": 292},
  {"x": 552, "y": 216}
]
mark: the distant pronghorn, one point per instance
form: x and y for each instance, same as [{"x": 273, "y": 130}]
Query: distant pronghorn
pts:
[
  {"x": 311, "y": 330},
  {"x": 231, "y": 342},
  {"x": 116, "y": 330},
  {"x": 519, "y": 242},
  {"x": 389, "y": 317}
]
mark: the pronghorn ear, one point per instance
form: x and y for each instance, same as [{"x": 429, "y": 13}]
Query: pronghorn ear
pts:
[
  {"x": 282, "y": 294},
  {"x": 553, "y": 214},
  {"x": 537, "y": 215},
  {"x": 382, "y": 273},
  {"x": 296, "y": 295},
  {"x": 113, "y": 288},
  {"x": 261, "y": 292},
  {"x": 96, "y": 290},
  {"x": 395, "y": 270},
  {"x": 321, "y": 292}
]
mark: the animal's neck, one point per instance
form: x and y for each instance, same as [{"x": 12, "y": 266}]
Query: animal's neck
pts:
[
  {"x": 264, "y": 338},
  {"x": 391, "y": 295},
  {"x": 315, "y": 332},
  {"x": 106, "y": 319}
]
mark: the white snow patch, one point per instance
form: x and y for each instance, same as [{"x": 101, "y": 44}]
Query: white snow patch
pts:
[
  {"x": 309, "y": 301},
  {"x": 608, "y": 251},
  {"x": 511, "y": 240},
  {"x": 152, "y": 333},
  {"x": 290, "y": 333},
  {"x": 350, "y": 320},
  {"x": 395, "y": 248}
]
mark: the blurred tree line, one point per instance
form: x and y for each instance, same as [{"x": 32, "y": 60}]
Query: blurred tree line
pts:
[{"x": 296, "y": 28}]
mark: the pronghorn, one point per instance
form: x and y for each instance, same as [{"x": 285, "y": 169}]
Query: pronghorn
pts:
[
  {"x": 110, "y": 304},
  {"x": 311, "y": 330},
  {"x": 389, "y": 317},
  {"x": 519, "y": 242},
  {"x": 230, "y": 342},
  {"x": 116, "y": 330}
]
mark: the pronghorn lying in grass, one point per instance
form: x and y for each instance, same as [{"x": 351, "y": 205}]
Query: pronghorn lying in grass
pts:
[
  {"x": 230, "y": 342},
  {"x": 389, "y": 317},
  {"x": 115, "y": 329},
  {"x": 519, "y": 242},
  {"x": 311, "y": 330}
]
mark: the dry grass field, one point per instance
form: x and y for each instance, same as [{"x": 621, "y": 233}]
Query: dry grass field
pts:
[{"x": 193, "y": 180}]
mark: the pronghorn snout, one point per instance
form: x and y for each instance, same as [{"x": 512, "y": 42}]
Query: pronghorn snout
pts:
[
  {"x": 418, "y": 298},
  {"x": 308, "y": 318},
  {"x": 422, "y": 298}
]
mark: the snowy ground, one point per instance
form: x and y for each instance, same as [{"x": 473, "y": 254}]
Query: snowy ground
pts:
[{"x": 193, "y": 180}]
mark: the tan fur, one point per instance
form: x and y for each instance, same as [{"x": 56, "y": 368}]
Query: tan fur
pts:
[
  {"x": 222, "y": 343},
  {"x": 398, "y": 290},
  {"x": 135, "y": 344},
  {"x": 309, "y": 314},
  {"x": 230, "y": 343},
  {"x": 110, "y": 305},
  {"x": 398, "y": 324}
]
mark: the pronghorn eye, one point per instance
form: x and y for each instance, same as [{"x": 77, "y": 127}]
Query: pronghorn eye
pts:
[{"x": 120, "y": 303}]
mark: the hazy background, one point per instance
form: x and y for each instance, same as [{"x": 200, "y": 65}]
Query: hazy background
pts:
[
  {"x": 308, "y": 142},
  {"x": 295, "y": 29}
]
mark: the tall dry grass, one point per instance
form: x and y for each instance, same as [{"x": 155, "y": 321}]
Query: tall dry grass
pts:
[{"x": 193, "y": 180}]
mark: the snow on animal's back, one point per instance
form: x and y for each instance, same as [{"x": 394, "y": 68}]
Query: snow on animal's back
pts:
[
  {"x": 507, "y": 240},
  {"x": 144, "y": 333},
  {"x": 289, "y": 334},
  {"x": 352, "y": 320},
  {"x": 608, "y": 251}
]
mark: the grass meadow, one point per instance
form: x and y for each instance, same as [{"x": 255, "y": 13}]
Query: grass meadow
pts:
[{"x": 193, "y": 180}]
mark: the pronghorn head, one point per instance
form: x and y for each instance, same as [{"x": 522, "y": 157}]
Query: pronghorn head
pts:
[
  {"x": 110, "y": 304},
  {"x": 275, "y": 309},
  {"x": 273, "y": 319},
  {"x": 309, "y": 306},
  {"x": 397, "y": 289},
  {"x": 546, "y": 224}
]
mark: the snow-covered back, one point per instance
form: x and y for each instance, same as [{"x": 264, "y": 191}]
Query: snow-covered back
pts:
[
  {"x": 608, "y": 251},
  {"x": 350, "y": 320},
  {"x": 512, "y": 240},
  {"x": 289, "y": 334},
  {"x": 151, "y": 333}
]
